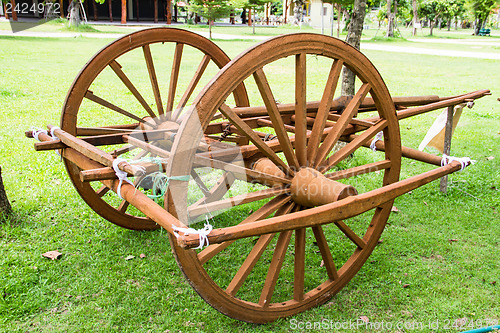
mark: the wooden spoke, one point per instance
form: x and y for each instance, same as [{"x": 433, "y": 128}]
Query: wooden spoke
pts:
[
  {"x": 274, "y": 114},
  {"x": 299, "y": 265},
  {"x": 324, "y": 109},
  {"x": 263, "y": 212},
  {"x": 249, "y": 264},
  {"x": 192, "y": 85},
  {"x": 339, "y": 127},
  {"x": 102, "y": 191},
  {"x": 350, "y": 234},
  {"x": 92, "y": 131},
  {"x": 256, "y": 140},
  {"x": 300, "y": 109},
  {"x": 152, "y": 77},
  {"x": 174, "y": 76},
  {"x": 275, "y": 268},
  {"x": 325, "y": 253},
  {"x": 355, "y": 144},
  {"x": 218, "y": 191},
  {"x": 236, "y": 200},
  {"x": 117, "y": 68},
  {"x": 254, "y": 256},
  {"x": 359, "y": 170},
  {"x": 89, "y": 95},
  {"x": 201, "y": 185},
  {"x": 123, "y": 206}
]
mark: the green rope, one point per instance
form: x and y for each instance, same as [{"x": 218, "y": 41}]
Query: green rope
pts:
[{"x": 160, "y": 180}]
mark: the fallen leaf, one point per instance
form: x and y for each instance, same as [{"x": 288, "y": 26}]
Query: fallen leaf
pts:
[
  {"x": 406, "y": 285},
  {"x": 490, "y": 158},
  {"x": 129, "y": 257},
  {"x": 380, "y": 241},
  {"x": 394, "y": 209},
  {"x": 142, "y": 256},
  {"x": 440, "y": 257},
  {"x": 493, "y": 283},
  {"x": 52, "y": 255},
  {"x": 452, "y": 240},
  {"x": 425, "y": 203},
  {"x": 322, "y": 263},
  {"x": 365, "y": 319}
]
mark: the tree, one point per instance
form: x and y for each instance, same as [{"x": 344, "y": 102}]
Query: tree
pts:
[
  {"x": 5, "y": 208},
  {"x": 354, "y": 38},
  {"x": 432, "y": 10},
  {"x": 415, "y": 17},
  {"x": 74, "y": 11},
  {"x": 211, "y": 10},
  {"x": 481, "y": 10}
]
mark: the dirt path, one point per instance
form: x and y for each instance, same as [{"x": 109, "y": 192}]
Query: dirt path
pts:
[{"x": 364, "y": 46}]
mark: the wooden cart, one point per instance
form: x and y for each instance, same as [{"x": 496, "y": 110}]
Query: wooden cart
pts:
[{"x": 305, "y": 203}]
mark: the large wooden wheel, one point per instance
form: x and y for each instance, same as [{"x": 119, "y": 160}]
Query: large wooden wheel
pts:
[
  {"x": 259, "y": 279},
  {"x": 115, "y": 91}
]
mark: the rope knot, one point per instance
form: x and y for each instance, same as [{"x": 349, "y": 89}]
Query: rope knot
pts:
[
  {"x": 464, "y": 161},
  {"x": 202, "y": 233},
  {"x": 379, "y": 136},
  {"x": 121, "y": 175}
]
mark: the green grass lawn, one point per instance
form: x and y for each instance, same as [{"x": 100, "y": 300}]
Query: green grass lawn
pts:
[{"x": 438, "y": 261}]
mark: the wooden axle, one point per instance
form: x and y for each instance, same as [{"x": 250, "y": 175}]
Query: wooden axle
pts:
[{"x": 311, "y": 188}]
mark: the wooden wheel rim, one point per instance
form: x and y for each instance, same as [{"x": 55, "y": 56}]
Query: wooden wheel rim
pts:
[
  {"x": 207, "y": 103},
  {"x": 87, "y": 76}
]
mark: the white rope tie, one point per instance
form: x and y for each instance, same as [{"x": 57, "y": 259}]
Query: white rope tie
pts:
[
  {"x": 379, "y": 136},
  {"x": 54, "y": 137},
  {"x": 37, "y": 131},
  {"x": 121, "y": 175},
  {"x": 464, "y": 161},
  {"x": 202, "y": 233}
]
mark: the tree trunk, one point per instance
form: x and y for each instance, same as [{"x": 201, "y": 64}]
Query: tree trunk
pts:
[
  {"x": 156, "y": 11},
  {"x": 110, "y": 10},
  {"x": 14, "y": 13},
  {"x": 5, "y": 11},
  {"x": 74, "y": 14},
  {"x": 169, "y": 12},
  {"x": 390, "y": 19},
  {"x": 61, "y": 11},
  {"x": 354, "y": 38},
  {"x": 286, "y": 11},
  {"x": 249, "y": 17},
  {"x": 415, "y": 17},
  {"x": 210, "y": 29},
  {"x": 137, "y": 9},
  {"x": 5, "y": 208},
  {"x": 339, "y": 17},
  {"x": 94, "y": 7},
  {"x": 124, "y": 12},
  {"x": 431, "y": 26}
]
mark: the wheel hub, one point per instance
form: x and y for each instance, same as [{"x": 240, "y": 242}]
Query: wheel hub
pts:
[{"x": 311, "y": 188}]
